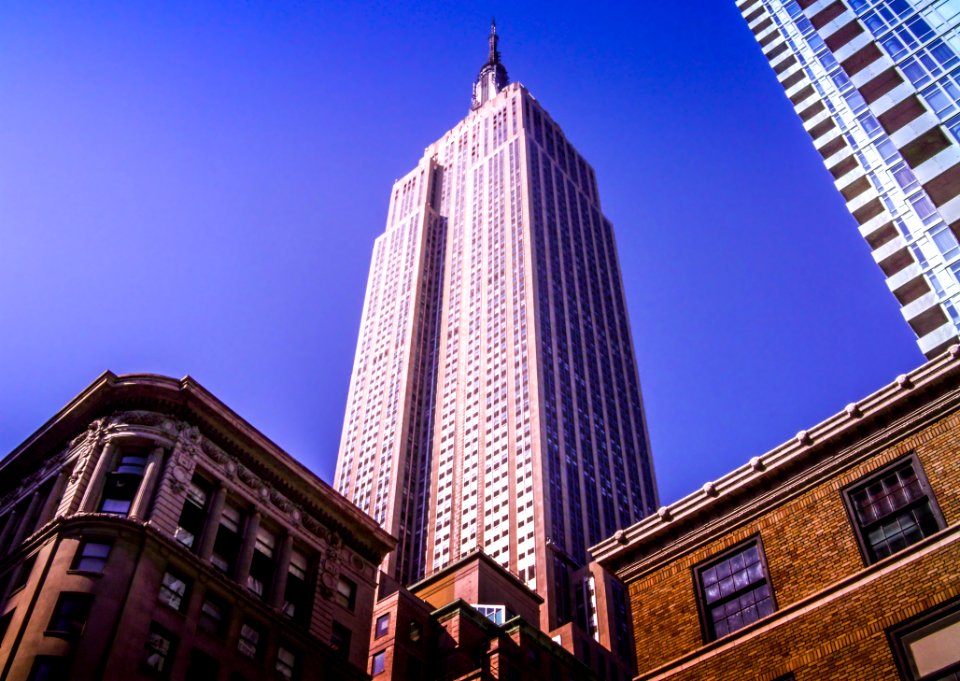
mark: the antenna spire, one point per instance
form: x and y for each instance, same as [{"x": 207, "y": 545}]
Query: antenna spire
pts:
[{"x": 493, "y": 75}]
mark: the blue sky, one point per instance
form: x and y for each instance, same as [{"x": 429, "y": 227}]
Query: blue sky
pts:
[{"x": 194, "y": 188}]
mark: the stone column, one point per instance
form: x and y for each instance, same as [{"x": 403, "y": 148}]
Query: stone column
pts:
[
  {"x": 26, "y": 522},
  {"x": 95, "y": 484},
  {"x": 281, "y": 572},
  {"x": 246, "y": 550},
  {"x": 209, "y": 535},
  {"x": 54, "y": 498},
  {"x": 12, "y": 521},
  {"x": 151, "y": 475}
]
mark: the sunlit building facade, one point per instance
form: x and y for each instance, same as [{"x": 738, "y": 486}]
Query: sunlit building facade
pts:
[
  {"x": 877, "y": 86},
  {"x": 495, "y": 402}
]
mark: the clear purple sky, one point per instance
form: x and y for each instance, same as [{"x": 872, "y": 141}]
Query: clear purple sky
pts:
[{"x": 195, "y": 188}]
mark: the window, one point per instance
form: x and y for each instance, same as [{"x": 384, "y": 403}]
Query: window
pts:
[
  {"x": 202, "y": 667},
  {"x": 892, "y": 509},
  {"x": 734, "y": 590},
  {"x": 379, "y": 662},
  {"x": 123, "y": 482},
  {"x": 22, "y": 574},
  {"x": 160, "y": 649},
  {"x": 927, "y": 647},
  {"x": 48, "y": 668},
  {"x": 70, "y": 614},
  {"x": 383, "y": 624},
  {"x": 296, "y": 595},
  {"x": 214, "y": 615},
  {"x": 5, "y": 624},
  {"x": 92, "y": 556},
  {"x": 261, "y": 565},
  {"x": 194, "y": 514},
  {"x": 251, "y": 638},
  {"x": 415, "y": 631},
  {"x": 346, "y": 594},
  {"x": 494, "y": 613},
  {"x": 340, "y": 640},
  {"x": 174, "y": 590},
  {"x": 226, "y": 547},
  {"x": 286, "y": 663}
]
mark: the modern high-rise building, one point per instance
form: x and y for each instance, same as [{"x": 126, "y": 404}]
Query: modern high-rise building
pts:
[
  {"x": 495, "y": 402},
  {"x": 877, "y": 86}
]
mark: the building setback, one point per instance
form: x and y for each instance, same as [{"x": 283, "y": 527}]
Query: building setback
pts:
[
  {"x": 495, "y": 402},
  {"x": 877, "y": 86},
  {"x": 147, "y": 531},
  {"x": 833, "y": 556}
]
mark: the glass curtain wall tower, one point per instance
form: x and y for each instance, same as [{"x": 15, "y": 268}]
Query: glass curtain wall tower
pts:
[
  {"x": 877, "y": 86},
  {"x": 495, "y": 402}
]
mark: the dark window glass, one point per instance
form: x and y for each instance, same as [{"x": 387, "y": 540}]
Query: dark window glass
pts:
[
  {"x": 174, "y": 590},
  {"x": 202, "y": 667},
  {"x": 893, "y": 509},
  {"x": 340, "y": 640},
  {"x": 5, "y": 624},
  {"x": 226, "y": 547},
  {"x": 250, "y": 643},
  {"x": 261, "y": 565},
  {"x": 383, "y": 624},
  {"x": 22, "y": 573},
  {"x": 122, "y": 483},
  {"x": 194, "y": 514},
  {"x": 286, "y": 663},
  {"x": 346, "y": 594},
  {"x": 92, "y": 555},
  {"x": 296, "y": 594},
  {"x": 378, "y": 663},
  {"x": 214, "y": 615},
  {"x": 48, "y": 668},
  {"x": 70, "y": 614},
  {"x": 160, "y": 649},
  {"x": 927, "y": 648},
  {"x": 734, "y": 590}
]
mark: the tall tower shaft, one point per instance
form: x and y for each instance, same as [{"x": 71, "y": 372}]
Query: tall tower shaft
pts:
[{"x": 495, "y": 400}]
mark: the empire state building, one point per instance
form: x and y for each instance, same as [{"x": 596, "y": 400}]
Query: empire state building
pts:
[{"x": 495, "y": 402}]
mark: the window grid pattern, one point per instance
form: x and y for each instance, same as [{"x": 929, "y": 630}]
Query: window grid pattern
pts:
[{"x": 736, "y": 591}]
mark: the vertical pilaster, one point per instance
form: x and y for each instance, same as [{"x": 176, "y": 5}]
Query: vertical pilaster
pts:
[{"x": 151, "y": 476}]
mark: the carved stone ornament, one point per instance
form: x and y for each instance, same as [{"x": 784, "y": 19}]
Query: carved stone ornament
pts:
[
  {"x": 904, "y": 382},
  {"x": 620, "y": 537},
  {"x": 756, "y": 464},
  {"x": 184, "y": 457},
  {"x": 853, "y": 410},
  {"x": 710, "y": 489},
  {"x": 665, "y": 514}
]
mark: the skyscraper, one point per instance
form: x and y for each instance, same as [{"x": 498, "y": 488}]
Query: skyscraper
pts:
[
  {"x": 495, "y": 401},
  {"x": 877, "y": 86}
]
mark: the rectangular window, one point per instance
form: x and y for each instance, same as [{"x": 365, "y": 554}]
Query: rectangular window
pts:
[
  {"x": 261, "y": 565},
  {"x": 123, "y": 482},
  {"x": 194, "y": 514},
  {"x": 296, "y": 594},
  {"x": 927, "y": 648},
  {"x": 250, "y": 642},
  {"x": 22, "y": 573},
  {"x": 160, "y": 649},
  {"x": 49, "y": 668},
  {"x": 378, "y": 663},
  {"x": 70, "y": 614},
  {"x": 286, "y": 663},
  {"x": 174, "y": 590},
  {"x": 892, "y": 509},
  {"x": 734, "y": 590},
  {"x": 214, "y": 615},
  {"x": 340, "y": 640},
  {"x": 383, "y": 624},
  {"x": 202, "y": 667},
  {"x": 346, "y": 594},
  {"x": 92, "y": 556},
  {"x": 226, "y": 547}
]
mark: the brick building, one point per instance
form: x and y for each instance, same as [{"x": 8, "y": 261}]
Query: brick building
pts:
[
  {"x": 833, "y": 556},
  {"x": 474, "y": 619},
  {"x": 147, "y": 531}
]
